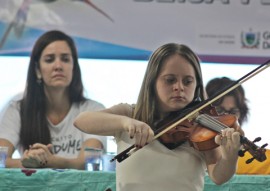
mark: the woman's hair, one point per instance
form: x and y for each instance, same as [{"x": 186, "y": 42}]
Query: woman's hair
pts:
[
  {"x": 146, "y": 109},
  {"x": 217, "y": 84},
  {"x": 34, "y": 124}
]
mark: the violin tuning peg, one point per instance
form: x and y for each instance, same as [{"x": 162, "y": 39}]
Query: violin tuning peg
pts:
[
  {"x": 249, "y": 160},
  {"x": 257, "y": 139},
  {"x": 264, "y": 145},
  {"x": 241, "y": 153}
]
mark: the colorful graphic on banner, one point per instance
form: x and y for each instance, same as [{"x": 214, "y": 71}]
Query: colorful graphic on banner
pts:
[{"x": 219, "y": 31}]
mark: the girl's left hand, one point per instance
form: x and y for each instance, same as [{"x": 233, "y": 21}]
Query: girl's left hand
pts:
[{"x": 229, "y": 141}]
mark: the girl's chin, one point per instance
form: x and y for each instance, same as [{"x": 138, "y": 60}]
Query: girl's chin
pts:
[
  {"x": 179, "y": 106},
  {"x": 175, "y": 109}
]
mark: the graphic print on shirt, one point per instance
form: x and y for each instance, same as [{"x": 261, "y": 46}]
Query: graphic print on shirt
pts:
[{"x": 66, "y": 144}]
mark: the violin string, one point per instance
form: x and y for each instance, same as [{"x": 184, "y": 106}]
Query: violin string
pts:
[
  {"x": 210, "y": 122},
  {"x": 217, "y": 125}
]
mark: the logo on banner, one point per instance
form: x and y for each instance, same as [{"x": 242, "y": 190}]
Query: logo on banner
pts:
[{"x": 250, "y": 39}]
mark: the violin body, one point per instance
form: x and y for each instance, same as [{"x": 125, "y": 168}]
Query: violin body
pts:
[
  {"x": 201, "y": 133},
  {"x": 200, "y": 137},
  {"x": 177, "y": 136}
]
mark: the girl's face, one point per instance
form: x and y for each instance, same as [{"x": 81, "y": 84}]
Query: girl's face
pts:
[
  {"x": 56, "y": 65},
  {"x": 175, "y": 85}
]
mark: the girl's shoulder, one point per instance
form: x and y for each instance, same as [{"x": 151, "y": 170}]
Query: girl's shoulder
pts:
[{"x": 122, "y": 109}]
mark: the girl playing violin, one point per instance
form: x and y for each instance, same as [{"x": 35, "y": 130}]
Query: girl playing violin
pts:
[{"x": 172, "y": 80}]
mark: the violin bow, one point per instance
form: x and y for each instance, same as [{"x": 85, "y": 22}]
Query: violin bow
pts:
[{"x": 192, "y": 114}]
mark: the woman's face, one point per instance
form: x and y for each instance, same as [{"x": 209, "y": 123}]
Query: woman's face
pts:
[
  {"x": 228, "y": 105},
  {"x": 175, "y": 85},
  {"x": 56, "y": 65}
]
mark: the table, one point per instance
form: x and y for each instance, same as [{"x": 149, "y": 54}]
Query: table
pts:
[
  {"x": 56, "y": 180},
  {"x": 79, "y": 180},
  {"x": 240, "y": 183}
]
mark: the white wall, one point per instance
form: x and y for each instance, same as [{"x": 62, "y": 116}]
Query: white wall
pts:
[{"x": 115, "y": 81}]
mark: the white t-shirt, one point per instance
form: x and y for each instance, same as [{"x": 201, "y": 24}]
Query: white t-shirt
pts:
[
  {"x": 155, "y": 167},
  {"x": 66, "y": 139}
]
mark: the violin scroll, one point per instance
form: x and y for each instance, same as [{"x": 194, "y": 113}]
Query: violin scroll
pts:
[{"x": 257, "y": 153}]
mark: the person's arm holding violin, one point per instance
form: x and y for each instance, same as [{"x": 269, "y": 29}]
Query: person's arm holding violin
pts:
[
  {"x": 222, "y": 161},
  {"x": 106, "y": 123}
]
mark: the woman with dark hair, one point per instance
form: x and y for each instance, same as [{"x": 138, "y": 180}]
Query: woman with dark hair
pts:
[
  {"x": 40, "y": 125},
  {"x": 172, "y": 81},
  {"x": 235, "y": 102}
]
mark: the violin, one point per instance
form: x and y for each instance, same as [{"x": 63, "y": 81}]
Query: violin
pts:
[
  {"x": 201, "y": 131},
  {"x": 199, "y": 123}
]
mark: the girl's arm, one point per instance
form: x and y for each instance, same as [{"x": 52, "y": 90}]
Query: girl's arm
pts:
[
  {"x": 102, "y": 123},
  {"x": 222, "y": 161},
  {"x": 108, "y": 123}
]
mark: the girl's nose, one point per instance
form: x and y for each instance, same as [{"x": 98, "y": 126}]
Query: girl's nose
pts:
[{"x": 178, "y": 86}]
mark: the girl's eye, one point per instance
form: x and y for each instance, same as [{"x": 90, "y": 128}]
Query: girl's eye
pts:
[
  {"x": 170, "y": 80},
  {"x": 187, "y": 81}
]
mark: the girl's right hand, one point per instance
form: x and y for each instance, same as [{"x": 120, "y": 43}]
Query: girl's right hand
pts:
[{"x": 142, "y": 132}]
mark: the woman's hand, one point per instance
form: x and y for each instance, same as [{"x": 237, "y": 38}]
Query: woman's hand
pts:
[
  {"x": 229, "y": 141},
  {"x": 37, "y": 156},
  {"x": 142, "y": 132}
]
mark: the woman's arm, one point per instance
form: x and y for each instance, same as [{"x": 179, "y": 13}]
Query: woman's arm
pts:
[{"x": 10, "y": 163}]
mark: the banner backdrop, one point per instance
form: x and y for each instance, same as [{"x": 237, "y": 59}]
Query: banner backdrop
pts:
[{"x": 229, "y": 31}]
